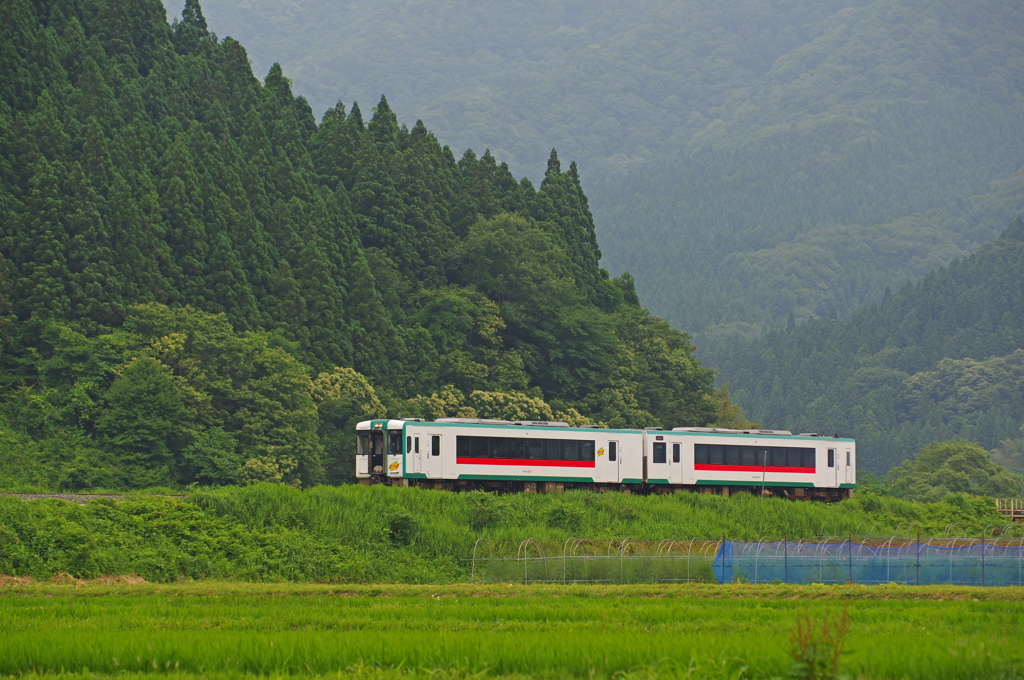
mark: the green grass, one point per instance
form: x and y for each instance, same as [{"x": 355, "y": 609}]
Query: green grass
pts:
[{"x": 599, "y": 631}]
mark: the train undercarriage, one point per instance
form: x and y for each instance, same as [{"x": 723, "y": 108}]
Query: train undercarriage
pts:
[{"x": 507, "y": 486}]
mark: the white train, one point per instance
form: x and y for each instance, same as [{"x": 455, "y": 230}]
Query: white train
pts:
[{"x": 474, "y": 453}]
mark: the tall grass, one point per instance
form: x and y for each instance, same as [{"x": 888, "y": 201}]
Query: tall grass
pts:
[{"x": 383, "y": 534}]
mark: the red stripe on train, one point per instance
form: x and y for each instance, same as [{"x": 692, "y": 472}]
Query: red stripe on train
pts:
[
  {"x": 526, "y": 462},
  {"x": 755, "y": 468}
]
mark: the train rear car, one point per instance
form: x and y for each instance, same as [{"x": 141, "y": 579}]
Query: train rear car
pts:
[{"x": 770, "y": 462}]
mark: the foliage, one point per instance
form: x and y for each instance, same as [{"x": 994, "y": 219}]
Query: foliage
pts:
[
  {"x": 956, "y": 466},
  {"x": 731, "y": 415},
  {"x": 174, "y": 396},
  {"x": 1010, "y": 454}
]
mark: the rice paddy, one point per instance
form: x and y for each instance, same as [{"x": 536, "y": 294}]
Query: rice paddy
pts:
[{"x": 217, "y": 629}]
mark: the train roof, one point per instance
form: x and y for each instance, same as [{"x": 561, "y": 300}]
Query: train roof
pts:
[{"x": 392, "y": 423}]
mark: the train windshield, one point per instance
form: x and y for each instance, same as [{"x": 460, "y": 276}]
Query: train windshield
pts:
[{"x": 394, "y": 442}]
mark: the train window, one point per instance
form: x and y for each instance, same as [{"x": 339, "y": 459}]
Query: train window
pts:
[
  {"x": 435, "y": 445},
  {"x": 517, "y": 448},
  {"x": 675, "y": 453},
  {"x": 535, "y": 449},
  {"x": 408, "y": 443},
  {"x": 497, "y": 447},
  {"x": 417, "y": 444},
  {"x": 362, "y": 444},
  {"x": 794, "y": 457},
  {"x": 831, "y": 457},
  {"x": 732, "y": 455},
  {"x": 809, "y": 461},
  {"x": 479, "y": 447},
  {"x": 570, "y": 449},
  {"x": 748, "y": 455},
  {"x": 847, "y": 459},
  {"x": 586, "y": 450},
  {"x": 659, "y": 452},
  {"x": 613, "y": 451},
  {"x": 716, "y": 456},
  {"x": 552, "y": 449},
  {"x": 464, "y": 447},
  {"x": 778, "y": 456},
  {"x": 700, "y": 454}
]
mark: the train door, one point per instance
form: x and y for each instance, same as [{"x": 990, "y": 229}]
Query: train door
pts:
[
  {"x": 848, "y": 467},
  {"x": 657, "y": 465},
  {"x": 395, "y": 447},
  {"x": 376, "y": 452},
  {"x": 412, "y": 452},
  {"x": 611, "y": 465},
  {"x": 833, "y": 468},
  {"x": 675, "y": 457},
  {"x": 430, "y": 444},
  {"x": 632, "y": 458}
]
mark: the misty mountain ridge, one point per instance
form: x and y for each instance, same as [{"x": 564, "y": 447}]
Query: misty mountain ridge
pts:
[{"x": 715, "y": 136}]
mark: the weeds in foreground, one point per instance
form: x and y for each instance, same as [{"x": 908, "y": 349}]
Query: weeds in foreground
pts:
[
  {"x": 723, "y": 667},
  {"x": 816, "y": 652}
]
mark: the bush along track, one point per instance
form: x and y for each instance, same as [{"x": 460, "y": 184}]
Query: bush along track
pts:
[{"x": 354, "y": 534}]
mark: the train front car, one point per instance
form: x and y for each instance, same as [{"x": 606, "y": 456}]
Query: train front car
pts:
[
  {"x": 768, "y": 462},
  {"x": 379, "y": 450},
  {"x": 476, "y": 453}
]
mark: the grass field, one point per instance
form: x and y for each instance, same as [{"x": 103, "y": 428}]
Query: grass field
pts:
[{"x": 218, "y": 629}]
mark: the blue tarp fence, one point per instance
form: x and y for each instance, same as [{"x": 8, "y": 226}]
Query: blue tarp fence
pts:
[{"x": 973, "y": 562}]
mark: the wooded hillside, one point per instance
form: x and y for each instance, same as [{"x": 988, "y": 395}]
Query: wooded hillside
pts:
[{"x": 201, "y": 283}]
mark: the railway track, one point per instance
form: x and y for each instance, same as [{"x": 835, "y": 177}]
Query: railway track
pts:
[{"x": 83, "y": 498}]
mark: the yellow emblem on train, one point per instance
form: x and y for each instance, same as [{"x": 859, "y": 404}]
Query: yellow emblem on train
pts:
[
  {"x": 393, "y": 466},
  {"x": 600, "y": 451}
]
